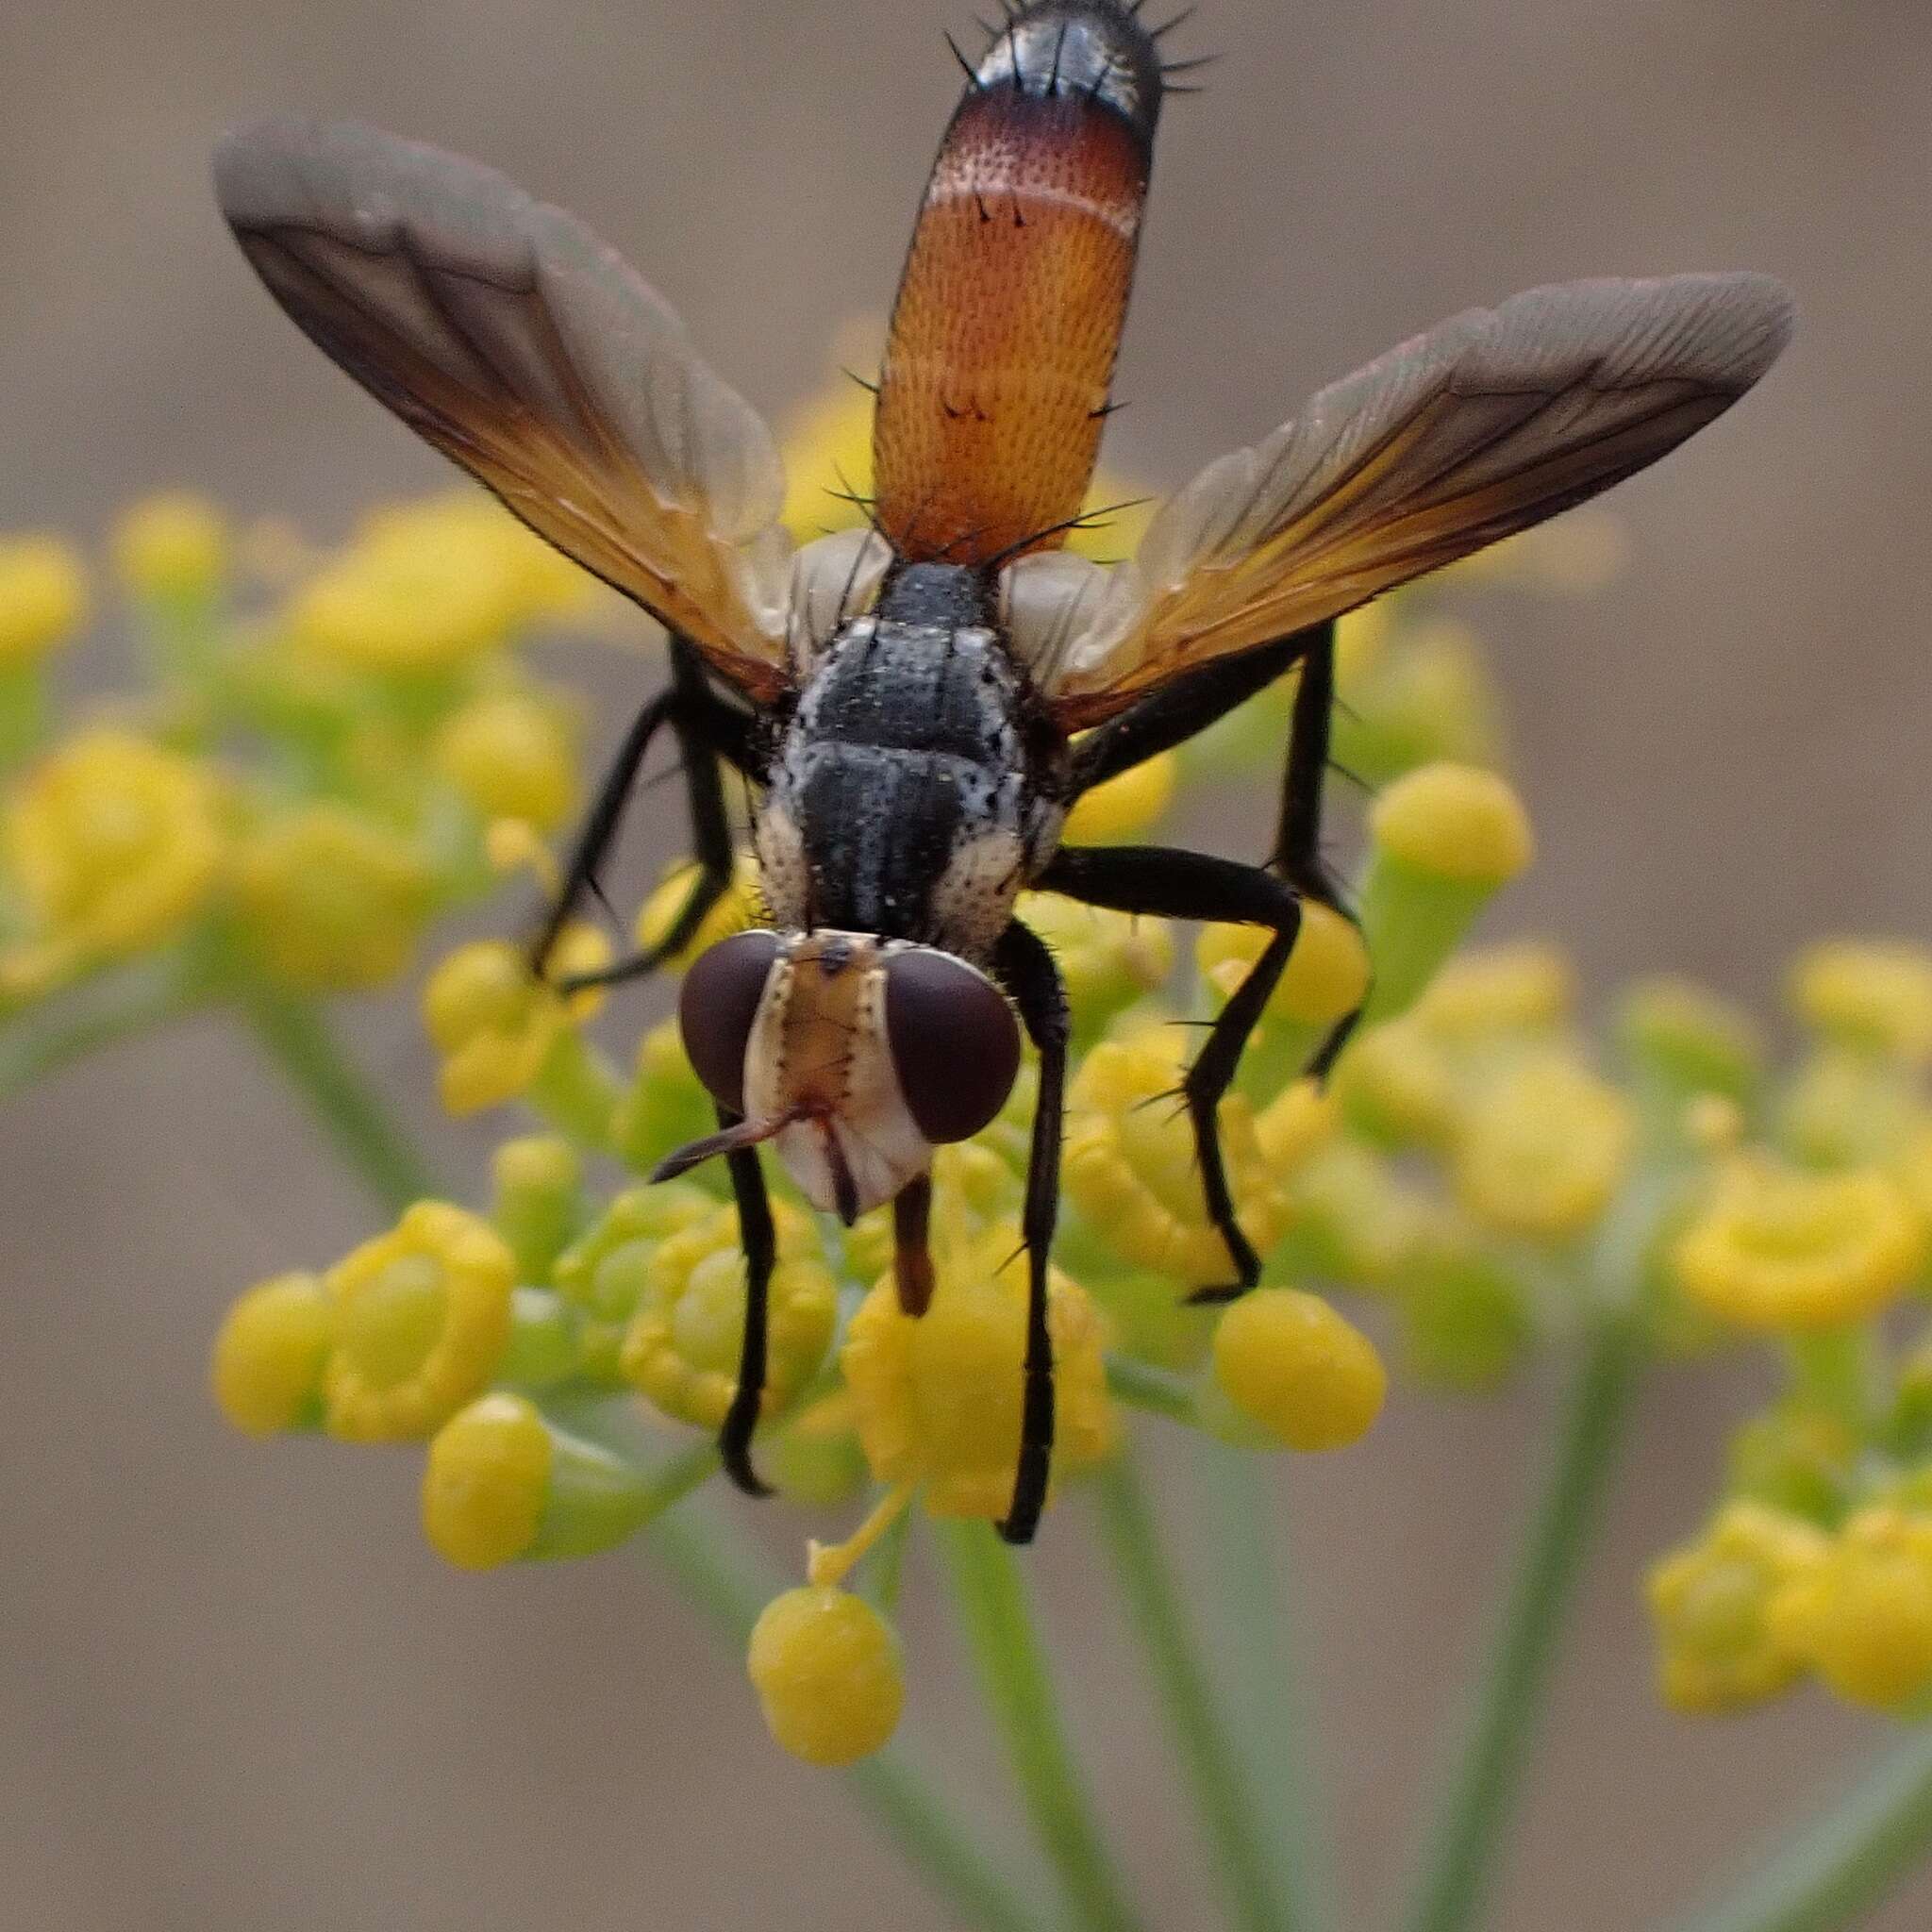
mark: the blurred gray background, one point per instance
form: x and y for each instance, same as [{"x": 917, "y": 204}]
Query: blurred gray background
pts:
[{"x": 235, "y": 1689}]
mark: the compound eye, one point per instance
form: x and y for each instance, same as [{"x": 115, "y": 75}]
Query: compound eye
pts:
[
  {"x": 956, "y": 1046},
  {"x": 716, "y": 1006}
]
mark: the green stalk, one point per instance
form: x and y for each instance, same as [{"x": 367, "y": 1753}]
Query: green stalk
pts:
[
  {"x": 297, "y": 1037},
  {"x": 30, "y": 1053},
  {"x": 1226, "y": 1794},
  {"x": 1479, "y": 1794},
  {"x": 730, "y": 1587},
  {"x": 1159, "y": 1391},
  {"x": 1844, "y": 1860},
  {"x": 991, "y": 1596},
  {"x": 1253, "y": 1639}
]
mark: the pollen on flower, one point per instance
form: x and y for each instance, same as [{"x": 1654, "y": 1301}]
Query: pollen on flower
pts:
[
  {"x": 1290, "y": 1363},
  {"x": 827, "y": 1668},
  {"x": 1861, "y": 1614},
  {"x": 44, "y": 598},
  {"x": 1778, "y": 1249},
  {"x": 420, "y": 1317},
  {"x": 1126, "y": 806},
  {"x": 1719, "y": 1648},
  {"x": 485, "y": 1482},
  {"x": 174, "y": 547},
  {"x": 937, "y": 1397},
  {"x": 494, "y": 1025},
  {"x": 329, "y": 898},
  {"x": 511, "y": 755},
  {"x": 1870, "y": 994},
  {"x": 682, "y": 1348},
  {"x": 113, "y": 844},
  {"x": 1455, "y": 821},
  {"x": 269, "y": 1354}
]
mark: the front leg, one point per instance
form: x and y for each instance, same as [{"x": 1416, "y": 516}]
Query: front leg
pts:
[
  {"x": 1173, "y": 884},
  {"x": 760, "y": 1240},
  {"x": 1024, "y": 966}
]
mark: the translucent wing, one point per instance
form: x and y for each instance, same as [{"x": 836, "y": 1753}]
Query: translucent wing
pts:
[
  {"x": 503, "y": 332},
  {"x": 1479, "y": 428}
]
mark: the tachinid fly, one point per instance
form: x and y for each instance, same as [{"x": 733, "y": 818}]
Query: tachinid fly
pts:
[{"x": 903, "y": 700}]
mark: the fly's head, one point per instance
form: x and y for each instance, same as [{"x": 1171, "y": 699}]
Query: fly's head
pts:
[{"x": 854, "y": 1056}]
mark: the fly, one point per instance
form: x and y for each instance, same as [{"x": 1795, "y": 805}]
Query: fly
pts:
[{"x": 917, "y": 704}]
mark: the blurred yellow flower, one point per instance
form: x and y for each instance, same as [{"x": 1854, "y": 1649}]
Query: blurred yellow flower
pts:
[
  {"x": 1453, "y": 822},
  {"x": 512, "y": 755},
  {"x": 739, "y": 907},
  {"x": 1870, "y": 994},
  {"x": 1290, "y": 1363},
  {"x": 1107, "y": 959},
  {"x": 420, "y": 1317},
  {"x": 1327, "y": 975},
  {"x": 1124, "y": 806},
  {"x": 606, "y": 1272},
  {"x": 1861, "y": 1614},
  {"x": 172, "y": 548},
  {"x": 44, "y": 598},
  {"x": 269, "y": 1355}
]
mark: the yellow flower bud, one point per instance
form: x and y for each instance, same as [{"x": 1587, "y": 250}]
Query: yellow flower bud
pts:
[
  {"x": 421, "y": 1314},
  {"x": 511, "y": 755},
  {"x": 1428, "y": 695},
  {"x": 825, "y": 1667},
  {"x": 1523, "y": 988},
  {"x": 1719, "y": 1648},
  {"x": 1396, "y": 1087},
  {"x": 737, "y": 909},
  {"x": 683, "y": 1345},
  {"x": 1861, "y": 1615},
  {"x": 538, "y": 1200},
  {"x": 1453, "y": 822},
  {"x": 1107, "y": 959},
  {"x": 532, "y": 578},
  {"x": 937, "y": 1397},
  {"x": 42, "y": 598},
  {"x": 1352, "y": 1220},
  {"x": 1689, "y": 1038},
  {"x": 495, "y": 1024},
  {"x": 1875, "y": 994},
  {"x": 1129, "y": 1163},
  {"x": 604, "y": 1274},
  {"x": 1777, "y": 1249},
  {"x": 1543, "y": 1148},
  {"x": 1326, "y": 977},
  {"x": 331, "y": 899},
  {"x": 268, "y": 1351},
  {"x": 1124, "y": 806},
  {"x": 172, "y": 548},
  {"x": 1847, "y": 1108},
  {"x": 1288, "y": 1361},
  {"x": 484, "y": 1485},
  {"x": 113, "y": 844}
]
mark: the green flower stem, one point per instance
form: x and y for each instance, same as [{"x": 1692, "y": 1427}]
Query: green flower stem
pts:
[
  {"x": 576, "y": 1092},
  {"x": 29, "y": 1053},
  {"x": 1159, "y": 1391},
  {"x": 1480, "y": 1791},
  {"x": 1844, "y": 1861},
  {"x": 1837, "y": 1370},
  {"x": 991, "y": 1596},
  {"x": 1253, "y": 1639},
  {"x": 1226, "y": 1794},
  {"x": 297, "y": 1037},
  {"x": 730, "y": 1586}
]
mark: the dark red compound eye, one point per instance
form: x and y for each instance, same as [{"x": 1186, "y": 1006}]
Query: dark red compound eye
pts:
[
  {"x": 716, "y": 1006},
  {"x": 956, "y": 1044}
]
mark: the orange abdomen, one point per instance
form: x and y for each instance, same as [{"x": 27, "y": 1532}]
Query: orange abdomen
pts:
[{"x": 1008, "y": 316}]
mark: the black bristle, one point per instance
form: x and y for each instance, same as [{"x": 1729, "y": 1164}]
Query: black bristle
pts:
[
  {"x": 871, "y": 389},
  {"x": 1160, "y": 33},
  {"x": 965, "y": 65}
]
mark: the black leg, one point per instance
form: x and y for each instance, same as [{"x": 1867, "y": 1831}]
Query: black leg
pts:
[
  {"x": 1024, "y": 967},
  {"x": 761, "y": 1243},
  {"x": 912, "y": 1252},
  {"x": 1189, "y": 885},
  {"x": 1174, "y": 714},
  {"x": 707, "y": 731}
]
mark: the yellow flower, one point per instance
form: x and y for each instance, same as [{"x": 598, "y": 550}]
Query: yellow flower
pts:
[
  {"x": 1453, "y": 822},
  {"x": 538, "y": 1200},
  {"x": 605, "y": 1274},
  {"x": 1876, "y": 995},
  {"x": 42, "y": 598},
  {"x": 269, "y": 1354},
  {"x": 739, "y": 907},
  {"x": 511, "y": 755},
  {"x": 1844, "y": 1107},
  {"x": 495, "y": 1024},
  {"x": 1523, "y": 988},
  {"x": 1694, "y": 1040},
  {"x": 1124, "y": 808},
  {"x": 421, "y": 1314},
  {"x": 1428, "y": 695},
  {"x": 1543, "y": 1148},
  {"x": 1777, "y": 1249},
  {"x": 1861, "y": 1615},
  {"x": 937, "y": 1397},
  {"x": 329, "y": 899},
  {"x": 1129, "y": 1163},
  {"x": 1396, "y": 1085},
  {"x": 683, "y": 1345},
  {"x": 1107, "y": 959},
  {"x": 1288, "y": 1362},
  {"x": 825, "y": 1667},
  {"x": 172, "y": 548},
  {"x": 1720, "y": 1647},
  {"x": 485, "y": 1482},
  {"x": 1325, "y": 978},
  {"x": 1352, "y": 1218},
  {"x": 534, "y": 579},
  {"x": 113, "y": 845}
]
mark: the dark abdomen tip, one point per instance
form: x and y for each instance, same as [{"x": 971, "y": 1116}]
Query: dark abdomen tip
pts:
[{"x": 1093, "y": 50}]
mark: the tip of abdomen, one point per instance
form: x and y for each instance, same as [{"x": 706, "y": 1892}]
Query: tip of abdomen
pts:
[{"x": 1095, "y": 50}]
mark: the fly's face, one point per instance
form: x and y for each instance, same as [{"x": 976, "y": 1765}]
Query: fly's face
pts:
[{"x": 854, "y": 1056}]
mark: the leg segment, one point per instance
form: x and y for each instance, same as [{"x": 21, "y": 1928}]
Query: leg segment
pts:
[
  {"x": 760, "y": 1243},
  {"x": 911, "y": 1255},
  {"x": 1173, "y": 715},
  {"x": 1189, "y": 885},
  {"x": 1024, "y": 967}
]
